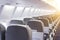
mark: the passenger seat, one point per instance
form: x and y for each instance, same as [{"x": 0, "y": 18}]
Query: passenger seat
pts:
[
  {"x": 37, "y": 29},
  {"x": 2, "y": 32},
  {"x": 18, "y": 32}
]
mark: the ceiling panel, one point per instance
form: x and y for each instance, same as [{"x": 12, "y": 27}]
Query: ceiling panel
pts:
[{"x": 27, "y": 3}]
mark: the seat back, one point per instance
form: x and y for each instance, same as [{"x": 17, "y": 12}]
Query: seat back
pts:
[
  {"x": 2, "y": 32},
  {"x": 50, "y": 20},
  {"x": 46, "y": 25},
  {"x": 36, "y": 25},
  {"x": 18, "y": 32},
  {"x": 37, "y": 29},
  {"x": 45, "y": 21}
]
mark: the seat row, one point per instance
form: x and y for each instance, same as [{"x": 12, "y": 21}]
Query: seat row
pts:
[{"x": 29, "y": 29}]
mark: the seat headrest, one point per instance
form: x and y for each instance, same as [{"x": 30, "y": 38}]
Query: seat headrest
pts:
[
  {"x": 26, "y": 20},
  {"x": 36, "y": 25},
  {"x": 45, "y": 21},
  {"x": 16, "y": 22}
]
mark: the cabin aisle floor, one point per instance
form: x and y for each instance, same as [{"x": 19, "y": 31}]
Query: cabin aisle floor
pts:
[{"x": 57, "y": 34}]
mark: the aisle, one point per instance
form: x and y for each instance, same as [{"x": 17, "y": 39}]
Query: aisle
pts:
[{"x": 57, "y": 34}]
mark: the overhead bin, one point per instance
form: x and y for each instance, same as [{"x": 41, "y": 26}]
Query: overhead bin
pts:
[
  {"x": 7, "y": 11},
  {"x": 18, "y": 12}
]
